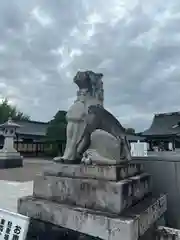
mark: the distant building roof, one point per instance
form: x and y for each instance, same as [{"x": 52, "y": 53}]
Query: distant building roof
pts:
[
  {"x": 39, "y": 129},
  {"x": 164, "y": 124},
  {"x": 32, "y": 128},
  {"x": 135, "y": 138}
]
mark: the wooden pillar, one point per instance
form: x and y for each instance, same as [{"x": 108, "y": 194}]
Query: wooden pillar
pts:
[
  {"x": 17, "y": 143},
  {"x": 43, "y": 146},
  {"x": 174, "y": 143},
  {"x": 36, "y": 148},
  {"x": 150, "y": 145}
]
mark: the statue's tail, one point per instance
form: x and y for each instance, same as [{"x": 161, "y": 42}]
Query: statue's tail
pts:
[
  {"x": 125, "y": 148},
  {"x": 127, "y": 143}
]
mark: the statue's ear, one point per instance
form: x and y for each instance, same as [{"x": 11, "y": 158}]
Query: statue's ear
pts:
[
  {"x": 100, "y": 75},
  {"x": 87, "y": 74},
  {"x": 75, "y": 77}
]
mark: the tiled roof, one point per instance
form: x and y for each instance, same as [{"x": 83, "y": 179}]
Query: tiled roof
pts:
[
  {"x": 32, "y": 128},
  {"x": 132, "y": 137},
  {"x": 39, "y": 129},
  {"x": 164, "y": 124}
]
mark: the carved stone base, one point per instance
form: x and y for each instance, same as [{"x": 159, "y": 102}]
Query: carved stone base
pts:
[
  {"x": 106, "y": 188},
  {"x": 99, "y": 195},
  {"x": 130, "y": 226},
  {"x": 103, "y": 172},
  {"x": 164, "y": 233},
  {"x": 111, "y": 202},
  {"x": 40, "y": 230}
]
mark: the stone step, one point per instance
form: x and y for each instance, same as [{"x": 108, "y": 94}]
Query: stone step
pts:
[
  {"x": 106, "y": 172},
  {"x": 91, "y": 193},
  {"x": 130, "y": 226},
  {"x": 142, "y": 185},
  {"x": 165, "y": 233}
]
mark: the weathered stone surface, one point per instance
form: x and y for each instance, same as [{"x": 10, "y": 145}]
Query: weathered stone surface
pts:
[
  {"x": 39, "y": 230},
  {"x": 96, "y": 194},
  {"x": 104, "y": 149},
  {"x": 108, "y": 227},
  {"x": 142, "y": 185},
  {"x": 151, "y": 214},
  {"x": 154, "y": 210},
  {"x": 85, "y": 116},
  {"x": 164, "y": 233},
  {"x": 106, "y": 172}
]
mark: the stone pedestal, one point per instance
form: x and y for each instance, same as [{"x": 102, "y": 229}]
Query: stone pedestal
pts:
[
  {"x": 39, "y": 230},
  {"x": 164, "y": 233},
  {"x": 109, "y": 202},
  {"x": 10, "y": 160}
]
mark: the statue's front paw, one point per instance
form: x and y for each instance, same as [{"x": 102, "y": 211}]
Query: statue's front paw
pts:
[
  {"x": 58, "y": 159},
  {"x": 86, "y": 160}
]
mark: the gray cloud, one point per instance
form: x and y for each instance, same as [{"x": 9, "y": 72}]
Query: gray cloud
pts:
[{"x": 136, "y": 45}]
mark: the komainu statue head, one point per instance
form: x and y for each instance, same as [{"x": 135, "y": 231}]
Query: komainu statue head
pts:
[{"x": 92, "y": 82}]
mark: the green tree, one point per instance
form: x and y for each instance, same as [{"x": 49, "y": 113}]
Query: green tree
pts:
[
  {"x": 56, "y": 130},
  {"x": 130, "y": 130},
  {"x": 7, "y": 110},
  {"x": 56, "y": 133}
]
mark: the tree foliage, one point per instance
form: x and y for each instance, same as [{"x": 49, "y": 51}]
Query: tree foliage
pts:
[
  {"x": 130, "y": 130},
  {"x": 56, "y": 134},
  {"x": 57, "y": 127},
  {"x": 7, "y": 110}
]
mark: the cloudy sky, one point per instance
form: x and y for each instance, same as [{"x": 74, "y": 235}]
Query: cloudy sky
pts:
[{"x": 134, "y": 43}]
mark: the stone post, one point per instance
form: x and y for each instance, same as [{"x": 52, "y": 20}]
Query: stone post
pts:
[
  {"x": 9, "y": 157},
  {"x": 9, "y": 130}
]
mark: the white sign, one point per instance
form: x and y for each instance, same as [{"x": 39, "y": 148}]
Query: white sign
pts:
[
  {"x": 139, "y": 149},
  {"x": 13, "y": 226},
  {"x": 170, "y": 146}
]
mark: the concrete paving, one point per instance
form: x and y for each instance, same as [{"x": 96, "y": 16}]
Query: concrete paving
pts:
[
  {"x": 11, "y": 191},
  {"x": 18, "y": 182}
]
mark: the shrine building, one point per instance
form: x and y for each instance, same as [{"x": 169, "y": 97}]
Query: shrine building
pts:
[
  {"x": 164, "y": 131},
  {"x": 31, "y": 139}
]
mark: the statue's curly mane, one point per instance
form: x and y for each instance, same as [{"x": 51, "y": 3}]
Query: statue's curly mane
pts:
[{"x": 92, "y": 82}]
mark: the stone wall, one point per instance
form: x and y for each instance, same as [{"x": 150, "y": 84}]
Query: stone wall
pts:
[
  {"x": 164, "y": 233},
  {"x": 165, "y": 172}
]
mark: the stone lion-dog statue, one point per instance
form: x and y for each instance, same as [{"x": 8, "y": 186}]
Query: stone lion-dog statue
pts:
[{"x": 94, "y": 135}]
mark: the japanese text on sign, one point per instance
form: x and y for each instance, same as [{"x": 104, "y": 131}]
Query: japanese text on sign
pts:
[{"x": 13, "y": 226}]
